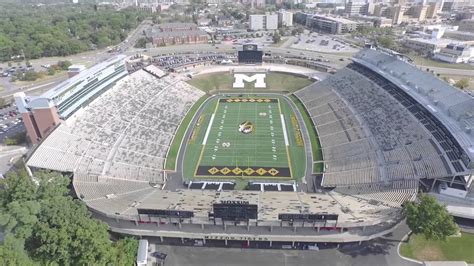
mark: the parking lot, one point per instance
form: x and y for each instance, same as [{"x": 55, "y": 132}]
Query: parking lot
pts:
[
  {"x": 323, "y": 43},
  {"x": 10, "y": 122}
]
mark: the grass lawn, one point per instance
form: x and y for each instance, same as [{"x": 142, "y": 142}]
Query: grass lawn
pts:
[
  {"x": 426, "y": 62},
  {"x": 458, "y": 77},
  {"x": 42, "y": 79},
  {"x": 453, "y": 249},
  {"x": 313, "y": 136},
  {"x": 223, "y": 81},
  {"x": 217, "y": 149},
  {"x": 174, "y": 148}
]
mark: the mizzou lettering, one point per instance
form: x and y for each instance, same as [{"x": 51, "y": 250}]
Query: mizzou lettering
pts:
[{"x": 258, "y": 79}]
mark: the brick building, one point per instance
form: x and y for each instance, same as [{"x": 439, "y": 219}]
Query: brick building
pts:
[{"x": 176, "y": 33}]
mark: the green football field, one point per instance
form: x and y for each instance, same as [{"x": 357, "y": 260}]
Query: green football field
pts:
[{"x": 217, "y": 149}]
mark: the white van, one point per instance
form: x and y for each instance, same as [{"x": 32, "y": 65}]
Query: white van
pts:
[{"x": 142, "y": 253}]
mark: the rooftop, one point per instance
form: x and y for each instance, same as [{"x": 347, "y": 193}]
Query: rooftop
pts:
[
  {"x": 453, "y": 107},
  {"x": 63, "y": 86},
  {"x": 336, "y": 19},
  {"x": 438, "y": 42}
]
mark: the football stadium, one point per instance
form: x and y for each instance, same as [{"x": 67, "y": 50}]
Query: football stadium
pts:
[{"x": 154, "y": 151}]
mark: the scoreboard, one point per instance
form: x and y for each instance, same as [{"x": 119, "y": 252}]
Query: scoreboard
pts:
[
  {"x": 250, "y": 54},
  {"x": 235, "y": 210}
]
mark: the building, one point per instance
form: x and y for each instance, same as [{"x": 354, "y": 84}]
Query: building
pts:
[
  {"x": 285, "y": 18},
  {"x": 370, "y": 8},
  {"x": 301, "y": 17},
  {"x": 378, "y": 22},
  {"x": 466, "y": 25},
  {"x": 257, "y": 3},
  {"x": 271, "y": 21},
  {"x": 256, "y": 22},
  {"x": 381, "y": 10},
  {"x": 427, "y": 46},
  {"x": 176, "y": 33},
  {"x": 433, "y": 9},
  {"x": 397, "y": 14},
  {"x": 459, "y": 35},
  {"x": 356, "y": 7},
  {"x": 332, "y": 25},
  {"x": 41, "y": 114},
  {"x": 454, "y": 53},
  {"x": 263, "y": 22},
  {"x": 204, "y": 22},
  {"x": 420, "y": 12}
]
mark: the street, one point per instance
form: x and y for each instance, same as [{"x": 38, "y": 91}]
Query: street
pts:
[{"x": 379, "y": 252}]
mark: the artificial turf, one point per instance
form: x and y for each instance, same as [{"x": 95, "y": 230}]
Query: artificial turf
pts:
[{"x": 220, "y": 145}]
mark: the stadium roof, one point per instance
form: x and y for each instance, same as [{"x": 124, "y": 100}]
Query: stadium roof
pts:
[
  {"x": 453, "y": 107},
  {"x": 63, "y": 86}
]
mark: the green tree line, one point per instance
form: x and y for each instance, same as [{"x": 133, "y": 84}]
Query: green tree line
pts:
[
  {"x": 61, "y": 30},
  {"x": 44, "y": 225}
]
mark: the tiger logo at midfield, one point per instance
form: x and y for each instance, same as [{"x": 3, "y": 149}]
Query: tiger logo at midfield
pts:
[{"x": 246, "y": 127}]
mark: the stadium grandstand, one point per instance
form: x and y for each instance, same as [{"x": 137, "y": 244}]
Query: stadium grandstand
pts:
[
  {"x": 124, "y": 134},
  {"x": 382, "y": 133},
  {"x": 41, "y": 114},
  {"x": 426, "y": 134}
]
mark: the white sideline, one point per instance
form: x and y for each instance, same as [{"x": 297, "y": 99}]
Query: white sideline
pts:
[
  {"x": 208, "y": 130},
  {"x": 284, "y": 129}
]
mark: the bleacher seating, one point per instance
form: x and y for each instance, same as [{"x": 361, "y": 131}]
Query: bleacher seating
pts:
[
  {"x": 393, "y": 194},
  {"x": 122, "y": 136},
  {"x": 366, "y": 134}
]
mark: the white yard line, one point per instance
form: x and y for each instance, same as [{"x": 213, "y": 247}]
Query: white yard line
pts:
[
  {"x": 284, "y": 130},
  {"x": 204, "y": 141}
]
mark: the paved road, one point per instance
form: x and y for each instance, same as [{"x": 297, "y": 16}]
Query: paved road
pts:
[
  {"x": 379, "y": 252},
  {"x": 9, "y": 154},
  {"x": 450, "y": 71}
]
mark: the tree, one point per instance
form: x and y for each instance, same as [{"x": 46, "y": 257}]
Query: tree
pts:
[
  {"x": 3, "y": 102},
  {"x": 51, "y": 71},
  {"x": 276, "y": 37},
  {"x": 64, "y": 65},
  {"x": 61, "y": 30},
  {"x": 282, "y": 31},
  {"x": 386, "y": 41},
  {"x": 18, "y": 209},
  {"x": 462, "y": 83},
  {"x": 141, "y": 43},
  {"x": 41, "y": 220},
  {"x": 12, "y": 252},
  {"x": 429, "y": 218},
  {"x": 126, "y": 250}
]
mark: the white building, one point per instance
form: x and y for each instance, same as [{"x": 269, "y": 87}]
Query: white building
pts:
[
  {"x": 285, "y": 18},
  {"x": 453, "y": 53},
  {"x": 427, "y": 46},
  {"x": 256, "y": 22},
  {"x": 271, "y": 21},
  {"x": 263, "y": 22}
]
